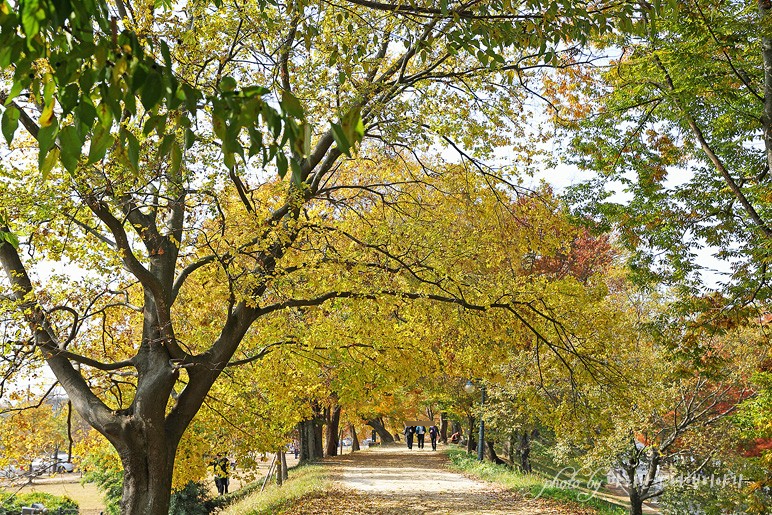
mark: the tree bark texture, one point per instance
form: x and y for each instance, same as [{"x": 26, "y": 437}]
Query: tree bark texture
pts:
[
  {"x": 332, "y": 423},
  {"x": 490, "y": 453},
  {"x": 380, "y": 428},
  {"x": 310, "y": 433},
  {"x": 471, "y": 443},
  {"x": 524, "y": 451},
  {"x": 354, "y": 439},
  {"x": 636, "y": 503}
]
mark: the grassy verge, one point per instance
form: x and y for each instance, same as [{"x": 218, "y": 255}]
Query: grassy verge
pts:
[
  {"x": 533, "y": 485},
  {"x": 306, "y": 481}
]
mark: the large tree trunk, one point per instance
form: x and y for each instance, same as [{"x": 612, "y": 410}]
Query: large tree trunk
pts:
[
  {"x": 148, "y": 463},
  {"x": 634, "y": 492},
  {"x": 145, "y": 437},
  {"x": 471, "y": 444},
  {"x": 490, "y": 453},
  {"x": 354, "y": 439},
  {"x": 281, "y": 468},
  {"x": 524, "y": 451},
  {"x": 146, "y": 486},
  {"x": 380, "y": 428},
  {"x": 332, "y": 421},
  {"x": 310, "y": 432},
  {"x": 443, "y": 427},
  {"x": 636, "y": 503}
]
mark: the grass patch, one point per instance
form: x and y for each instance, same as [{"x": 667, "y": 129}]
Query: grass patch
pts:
[
  {"x": 304, "y": 481},
  {"x": 87, "y": 496},
  {"x": 533, "y": 485}
]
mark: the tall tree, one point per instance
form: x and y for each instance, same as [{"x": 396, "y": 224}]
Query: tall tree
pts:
[
  {"x": 180, "y": 131},
  {"x": 680, "y": 124}
]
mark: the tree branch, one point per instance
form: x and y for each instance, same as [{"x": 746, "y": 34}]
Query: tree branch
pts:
[{"x": 717, "y": 162}]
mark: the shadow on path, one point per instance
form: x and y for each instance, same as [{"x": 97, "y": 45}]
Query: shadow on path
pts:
[{"x": 395, "y": 480}]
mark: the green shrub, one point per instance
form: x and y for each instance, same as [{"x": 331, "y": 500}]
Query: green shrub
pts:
[
  {"x": 12, "y": 504},
  {"x": 712, "y": 499},
  {"x": 110, "y": 482},
  {"x": 193, "y": 499}
]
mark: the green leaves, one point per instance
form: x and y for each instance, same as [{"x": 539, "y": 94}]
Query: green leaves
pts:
[
  {"x": 291, "y": 105},
  {"x": 133, "y": 150},
  {"x": 152, "y": 90},
  {"x": 238, "y": 111},
  {"x": 343, "y": 143},
  {"x": 100, "y": 142},
  {"x": 9, "y": 238},
  {"x": 33, "y": 16},
  {"x": 48, "y": 162},
  {"x": 71, "y": 145},
  {"x": 99, "y": 77},
  {"x": 228, "y": 84},
  {"x": 47, "y": 138},
  {"x": 10, "y": 122},
  {"x": 349, "y": 131}
]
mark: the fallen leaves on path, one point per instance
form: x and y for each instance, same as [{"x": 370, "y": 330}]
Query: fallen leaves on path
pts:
[
  {"x": 339, "y": 502},
  {"x": 394, "y": 481}
]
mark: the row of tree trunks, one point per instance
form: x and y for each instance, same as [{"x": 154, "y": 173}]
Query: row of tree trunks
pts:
[
  {"x": 518, "y": 447},
  {"x": 320, "y": 435},
  {"x": 310, "y": 439}
]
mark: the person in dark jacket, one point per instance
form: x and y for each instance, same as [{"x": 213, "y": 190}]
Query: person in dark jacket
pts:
[
  {"x": 409, "y": 432},
  {"x": 433, "y": 433}
]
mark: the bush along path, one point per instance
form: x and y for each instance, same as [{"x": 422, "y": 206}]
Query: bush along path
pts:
[{"x": 395, "y": 480}]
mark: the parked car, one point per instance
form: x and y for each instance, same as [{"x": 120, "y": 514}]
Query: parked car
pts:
[
  {"x": 347, "y": 442},
  {"x": 47, "y": 465},
  {"x": 11, "y": 472},
  {"x": 64, "y": 466},
  {"x": 63, "y": 463}
]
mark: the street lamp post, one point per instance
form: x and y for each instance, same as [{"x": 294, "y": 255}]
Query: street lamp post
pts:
[{"x": 470, "y": 388}]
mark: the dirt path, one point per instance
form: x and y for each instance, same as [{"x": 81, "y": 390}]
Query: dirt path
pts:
[{"x": 395, "y": 480}]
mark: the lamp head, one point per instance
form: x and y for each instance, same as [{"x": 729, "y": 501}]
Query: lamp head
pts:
[{"x": 469, "y": 387}]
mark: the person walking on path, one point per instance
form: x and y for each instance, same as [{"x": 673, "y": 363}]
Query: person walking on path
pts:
[
  {"x": 420, "y": 432},
  {"x": 433, "y": 432},
  {"x": 409, "y": 431},
  {"x": 220, "y": 468}
]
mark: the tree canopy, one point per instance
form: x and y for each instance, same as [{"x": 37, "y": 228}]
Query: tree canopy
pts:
[
  {"x": 210, "y": 150},
  {"x": 679, "y": 122}
]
